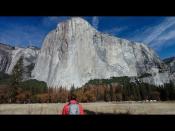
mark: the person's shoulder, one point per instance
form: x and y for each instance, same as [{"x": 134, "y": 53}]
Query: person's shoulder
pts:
[
  {"x": 79, "y": 104},
  {"x": 67, "y": 104}
]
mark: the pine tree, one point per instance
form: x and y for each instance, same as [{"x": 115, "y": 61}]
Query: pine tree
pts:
[
  {"x": 16, "y": 79},
  {"x": 134, "y": 93},
  {"x": 72, "y": 90},
  {"x": 138, "y": 93},
  {"x": 107, "y": 94},
  {"x": 171, "y": 91},
  {"x": 17, "y": 72},
  {"x": 111, "y": 92},
  {"x": 124, "y": 93}
]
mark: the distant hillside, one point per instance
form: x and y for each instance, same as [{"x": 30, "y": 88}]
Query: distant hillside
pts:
[{"x": 168, "y": 60}]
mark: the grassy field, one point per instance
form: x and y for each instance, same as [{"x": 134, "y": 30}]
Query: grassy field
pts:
[{"x": 93, "y": 108}]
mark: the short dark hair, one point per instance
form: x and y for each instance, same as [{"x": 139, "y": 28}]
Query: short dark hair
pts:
[{"x": 72, "y": 97}]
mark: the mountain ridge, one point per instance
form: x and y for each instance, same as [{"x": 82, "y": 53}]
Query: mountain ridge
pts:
[
  {"x": 79, "y": 53},
  {"x": 75, "y": 52}
]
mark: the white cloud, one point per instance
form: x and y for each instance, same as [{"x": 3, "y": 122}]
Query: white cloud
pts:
[
  {"x": 167, "y": 36},
  {"x": 116, "y": 30},
  {"x": 95, "y": 21},
  {"x": 154, "y": 32},
  {"x": 156, "y": 36}
]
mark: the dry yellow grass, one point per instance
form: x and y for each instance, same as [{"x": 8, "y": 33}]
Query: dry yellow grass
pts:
[{"x": 98, "y": 107}]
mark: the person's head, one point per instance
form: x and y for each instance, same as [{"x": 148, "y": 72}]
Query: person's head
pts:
[{"x": 72, "y": 97}]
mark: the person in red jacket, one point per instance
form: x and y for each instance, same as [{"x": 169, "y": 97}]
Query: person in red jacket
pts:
[{"x": 73, "y": 107}]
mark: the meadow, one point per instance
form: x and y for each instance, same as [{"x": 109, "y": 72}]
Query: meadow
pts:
[{"x": 128, "y": 107}]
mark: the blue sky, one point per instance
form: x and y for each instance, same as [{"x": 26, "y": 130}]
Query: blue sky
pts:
[{"x": 156, "y": 32}]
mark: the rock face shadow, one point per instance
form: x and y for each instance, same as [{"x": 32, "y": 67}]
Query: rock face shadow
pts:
[{"x": 88, "y": 112}]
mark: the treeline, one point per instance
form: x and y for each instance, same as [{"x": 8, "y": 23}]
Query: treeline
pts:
[
  {"x": 32, "y": 91},
  {"x": 114, "y": 89},
  {"x": 14, "y": 90},
  {"x": 121, "y": 89}
]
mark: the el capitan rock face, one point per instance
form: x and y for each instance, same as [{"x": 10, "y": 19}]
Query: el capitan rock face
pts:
[{"x": 75, "y": 52}]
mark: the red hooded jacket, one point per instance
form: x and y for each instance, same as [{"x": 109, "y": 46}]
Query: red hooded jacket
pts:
[{"x": 66, "y": 108}]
